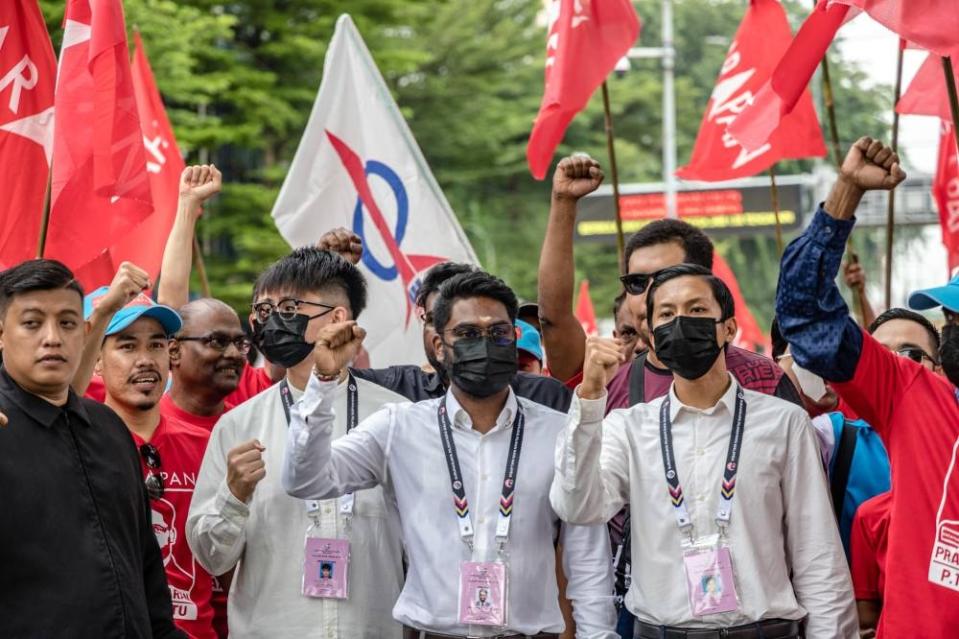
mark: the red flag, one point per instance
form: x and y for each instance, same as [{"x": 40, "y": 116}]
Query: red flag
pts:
[
  {"x": 945, "y": 190},
  {"x": 930, "y": 24},
  {"x": 585, "y": 312},
  {"x": 28, "y": 69},
  {"x": 585, "y": 41},
  {"x": 760, "y": 42},
  {"x": 927, "y": 93},
  {"x": 750, "y": 336},
  {"x": 779, "y": 95},
  {"x": 100, "y": 188},
  {"x": 144, "y": 245}
]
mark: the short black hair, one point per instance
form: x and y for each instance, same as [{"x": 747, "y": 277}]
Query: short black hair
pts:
[
  {"x": 720, "y": 291},
  {"x": 437, "y": 275},
  {"x": 309, "y": 269},
  {"x": 911, "y": 316},
  {"x": 779, "y": 342},
  {"x": 469, "y": 285},
  {"x": 35, "y": 275},
  {"x": 618, "y": 304},
  {"x": 696, "y": 245}
]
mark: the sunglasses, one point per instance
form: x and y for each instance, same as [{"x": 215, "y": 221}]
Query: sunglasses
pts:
[
  {"x": 636, "y": 283},
  {"x": 153, "y": 480},
  {"x": 915, "y": 354}
]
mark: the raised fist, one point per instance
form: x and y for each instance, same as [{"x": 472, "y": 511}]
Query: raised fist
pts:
[
  {"x": 344, "y": 242},
  {"x": 576, "y": 176},
  {"x": 336, "y": 346},
  {"x": 602, "y": 360},
  {"x": 129, "y": 281},
  {"x": 870, "y": 165},
  {"x": 244, "y": 469},
  {"x": 199, "y": 183}
]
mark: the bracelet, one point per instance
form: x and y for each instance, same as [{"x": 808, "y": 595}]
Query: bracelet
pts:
[{"x": 324, "y": 377}]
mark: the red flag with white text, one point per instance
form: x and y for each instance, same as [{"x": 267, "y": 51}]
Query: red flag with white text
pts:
[
  {"x": 760, "y": 42},
  {"x": 144, "y": 244},
  {"x": 945, "y": 190},
  {"x": 28, "y": 69},
  {"x": 585, "y": 312},
  {"x": 750, "y": 336},
  {"x": 100, "y": 189},
  {"x": 585, "y": 40}
]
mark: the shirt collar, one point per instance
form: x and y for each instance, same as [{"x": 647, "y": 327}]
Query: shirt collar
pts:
[
  {"x": 39, "y": 409},
  {"x": 728, "y": 400},
  {"x": 461, "y": 419}
]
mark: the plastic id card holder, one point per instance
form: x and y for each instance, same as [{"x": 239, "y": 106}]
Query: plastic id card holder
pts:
[
  {"x": 326, "y": 568},
  {"x": 483, "y": 593},
  {"x": 710, "y": 583}
]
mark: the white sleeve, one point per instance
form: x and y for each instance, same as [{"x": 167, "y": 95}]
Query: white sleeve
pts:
[
  {"x": 591, "y": 482},
  {"x": 316, "y": 467},
  {"x": 589, "y": 571},
  {"x": 826, "y": 437},
  {"x": 820, "y": 574},
  {"x": 216, "y": 525}
]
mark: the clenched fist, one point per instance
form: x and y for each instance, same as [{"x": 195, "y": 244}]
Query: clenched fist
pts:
[
  {"x": 198, "y": 184},
  {"x": 602, "y": 360},
  {"x": 346, "y": 243},
  {"x": 576, "y": 176},
  {"x": 245, "y": 469},
  {"x": 336, "y": 346},
  {"x": 129, "y": 281},
  {"x": 871, "y": 165}
]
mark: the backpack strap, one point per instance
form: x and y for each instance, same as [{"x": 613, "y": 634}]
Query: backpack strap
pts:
[
  {"x": 840, "y": 472},
  {"x": 637, "y": 380}
]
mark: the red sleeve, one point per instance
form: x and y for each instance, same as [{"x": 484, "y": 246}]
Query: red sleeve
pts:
[
  {"x": 881, "y": 381},
  {"x": 253, "y": 381},
  {"x": 863, "y": 562},
  {"x": 96, "y": 390}
]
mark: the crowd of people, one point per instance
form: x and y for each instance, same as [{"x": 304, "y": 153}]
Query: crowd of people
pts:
[{"x": 172, "y": 470}]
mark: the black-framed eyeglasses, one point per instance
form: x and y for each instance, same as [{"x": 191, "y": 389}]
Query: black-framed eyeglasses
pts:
[
  {"x": 287, "y": 308},
  {"x": 636, "y": 283},
  {"x": 220, "y": 342},
  {"x": 500, "y": 334},
  {"x": 916, "y": 355},
  {"x": 153, "y": 480}
]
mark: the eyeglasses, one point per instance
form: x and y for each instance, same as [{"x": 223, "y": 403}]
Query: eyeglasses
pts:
[
  {"x": 915, "y": 354},
  {"x": 636, "y": 283},
  {"x": 221, "y": 342},
  {"x": 153, "y": 480},
  {"x": 287, "y": 308},
  {"x": 501, "y": 334}
]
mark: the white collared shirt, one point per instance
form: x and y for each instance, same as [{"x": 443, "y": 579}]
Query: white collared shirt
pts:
[
  {"x": 265, "y": 538},
  {"x": 787, "y": 556},
  {"x": 400, "y": 448}
]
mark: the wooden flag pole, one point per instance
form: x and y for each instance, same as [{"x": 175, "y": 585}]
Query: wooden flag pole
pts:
[
  {"x": 953, "y": 98},
  {"x": 891, "y": 205},
  {"x": 200, "y": 267},
  {"x": 774, "y": 193},
  {"x": 45, "y": 217},
  {"x": 610, "y": 147}
]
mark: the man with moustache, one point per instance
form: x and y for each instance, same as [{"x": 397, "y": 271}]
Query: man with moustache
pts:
[
  {"x": 76, "y": 540},
  {"x": 134, "y": 365}
]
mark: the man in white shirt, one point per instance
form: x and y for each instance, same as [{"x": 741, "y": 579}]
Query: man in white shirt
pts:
[
  {"x": 241, "y": 515},
  {"x": 470, "y": 473},
  {"x": 739, "y": 548}
]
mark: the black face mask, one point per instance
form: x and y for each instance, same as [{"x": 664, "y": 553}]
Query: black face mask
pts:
[
  {"x": 282, "y": 340},
  {"x": 949, "y": 352},
  {"x": 480, "y": 367},
  {"x": 687, "y": 345}
]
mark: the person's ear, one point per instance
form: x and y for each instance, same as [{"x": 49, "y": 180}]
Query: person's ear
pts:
[
  {"x": 174, "y": 350},
  {"x": 340, "y": 314},
  {"x": 438, "y": 348},
  {"x": 98, "y": 367},
  {"x": 87, "y": 328},
  {"x": 252, "y": 320},
  {"x": 730, "y": 329}
]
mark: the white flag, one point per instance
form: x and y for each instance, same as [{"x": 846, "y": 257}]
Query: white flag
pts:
[{"x": 358, "y": 166}]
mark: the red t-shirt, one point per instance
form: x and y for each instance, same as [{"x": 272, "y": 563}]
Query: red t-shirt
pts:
[
  {"x": 253, "y": 381},
  {"x": 916, "y": 413},
  {"x": 867, "y": 546},
  {"x": 181, "y": 449}
]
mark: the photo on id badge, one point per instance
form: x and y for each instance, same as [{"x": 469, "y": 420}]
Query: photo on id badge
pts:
[
  {"x": 483, "y": 593},
  {"x": 709, "y": 579},
  {"x": 325, "y": 568}
]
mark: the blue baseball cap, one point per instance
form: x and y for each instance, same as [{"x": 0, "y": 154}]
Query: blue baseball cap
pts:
[
  {"x": 947, "y": 296},
  {"x": 529, "y": 340},
  {"x": 139, "y": 306}
]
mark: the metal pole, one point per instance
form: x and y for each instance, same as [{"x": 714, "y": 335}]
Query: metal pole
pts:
[
  {"x": 669, "y": 113},
  {"x": 953, "y": 98},
  {"x": 891, "y": 205},
  {"x": 774, "y": 193},
  {"x": 610, "y": 147}
]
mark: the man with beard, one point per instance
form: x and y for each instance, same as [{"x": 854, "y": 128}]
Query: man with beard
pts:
[
  {"x": 914, "y": 410},
  {"x": 476, "y": 429},
  {"x": 242, "y": 518},
  {"x": 134, "y": 365}
]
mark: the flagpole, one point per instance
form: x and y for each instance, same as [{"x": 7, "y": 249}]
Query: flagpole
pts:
[
  {"x": 891, "y": 206},
  {"x": 953, "y": 98},
  {"x": 774, "y": 193},
  {"x": 614, "y": 171},
  {"x": 45, "y": 216},
  {"x": 200, "y": 267}
]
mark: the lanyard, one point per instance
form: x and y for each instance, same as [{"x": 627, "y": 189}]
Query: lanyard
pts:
[
  {"x": 727, "y": 489},
  {"x": 460, "y": 503},
  {"x": 352, "y": 420}
]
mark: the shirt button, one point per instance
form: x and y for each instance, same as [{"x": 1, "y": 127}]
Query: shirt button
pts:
[
  {"x": 701, "y": 498},
  {"x": 482, "y": 520},
  {"x": 700, "y": 452},
  {"x": 485, "y": 476}
]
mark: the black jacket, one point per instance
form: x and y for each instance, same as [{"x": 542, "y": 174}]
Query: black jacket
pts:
[{"x": 78, "y": 556}]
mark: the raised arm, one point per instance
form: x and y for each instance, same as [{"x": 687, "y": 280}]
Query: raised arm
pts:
[
  {"x": 197, "y": 185},
  {"x": 129, "y": 281},
  {"x": 563, "y": 335}
]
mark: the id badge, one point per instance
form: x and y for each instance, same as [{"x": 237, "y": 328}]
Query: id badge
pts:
[
  {"x": 326, "y": 568},
  {"x": 483, "y": 593},
  {"x": 709, "y": 579}
]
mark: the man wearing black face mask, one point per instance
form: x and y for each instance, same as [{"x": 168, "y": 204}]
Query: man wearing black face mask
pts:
[
  {"x": 241, "y": 516},
  {"x": 465, "y": 534},
  {"x": 737, "y": 532}
]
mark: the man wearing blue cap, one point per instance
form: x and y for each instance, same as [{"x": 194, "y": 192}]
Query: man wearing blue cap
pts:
[
  {"x": 529, "y": 348},
  {"x": 134, "y": 364},
  {"x": 948, "y": 297}
]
